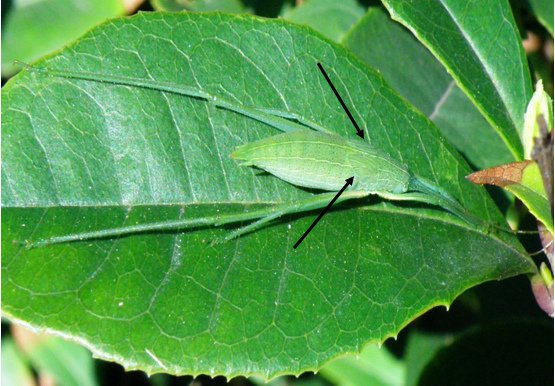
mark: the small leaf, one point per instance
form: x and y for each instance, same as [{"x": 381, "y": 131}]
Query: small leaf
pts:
[
  {"x": 230, "y": 6},
  {"x": 480, "y": 46},
  {"x": 540, "y": 105},
  {"x": 421, "y": 349},
  {"x": 373, "y": 366},
  {"x": 543, "y": 9},
  {"x": 331, "y": 18},
  {"x": 524, "y": 180}
]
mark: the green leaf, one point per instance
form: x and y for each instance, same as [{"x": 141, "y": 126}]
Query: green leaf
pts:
[
  {"x": 480, "y": 46},
  {"x": 67, "y": 363},
  {"x": 81, "y": 155},
  {"x": 306, "y": 380},
  {"x": 427, "y": 85},
  {"x": 374, "y": 366},
  {"x": 32, "y": 29},
  {"x": 531, "y": 192},
  {"x": 230, "y": 6},
  {"x": 543, "y": 9},
  {"x": 541, "y": 104},
  {"x": 421, "y": 349},
  {"x": 15, "y": 369},
  {"x": 329, "y": 17}
]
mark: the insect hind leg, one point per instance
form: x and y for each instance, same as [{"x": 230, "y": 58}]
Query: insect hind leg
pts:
[{"x": 311, "y": 203}]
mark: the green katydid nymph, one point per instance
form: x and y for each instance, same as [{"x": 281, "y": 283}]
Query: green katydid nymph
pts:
[
  {"x": 322, "y": 161},
  {"x": 305, "y": 155},
  {"x": 314, "y": 160}
]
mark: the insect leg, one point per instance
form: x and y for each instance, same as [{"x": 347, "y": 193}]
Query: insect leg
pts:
[
  {"x": 178, "y": 225},
  {"x": 315, "y": 202},
  {"x": 161, "y": 226},
  {"x": 296, "y": 117},
  {"x": 277, "y": 119}
]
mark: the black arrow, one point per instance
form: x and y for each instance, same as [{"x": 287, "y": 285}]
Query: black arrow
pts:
[
  {"x": 348, "y": 181},
  {"x": 360, "y": 133}
]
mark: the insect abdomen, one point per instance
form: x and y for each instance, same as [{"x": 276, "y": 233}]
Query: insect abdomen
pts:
[{"x": 322, "y": 161}]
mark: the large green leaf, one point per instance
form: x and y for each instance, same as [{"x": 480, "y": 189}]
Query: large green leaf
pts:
[
  {"x": 32, "y": 29},
  {"x": 480, "y": 46},
  {"x": 81, "y": 155},
  {"x": 427, "y": 85}
]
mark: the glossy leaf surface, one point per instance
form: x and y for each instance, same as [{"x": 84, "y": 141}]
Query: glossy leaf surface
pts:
[
  {"x": 81, "y": 155},
  {"x": 330, "y": 17},
  {"x": 32, "y": 29},
  {"x": 427, "y": 85},
  {"x": 480, "y": 46}
]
